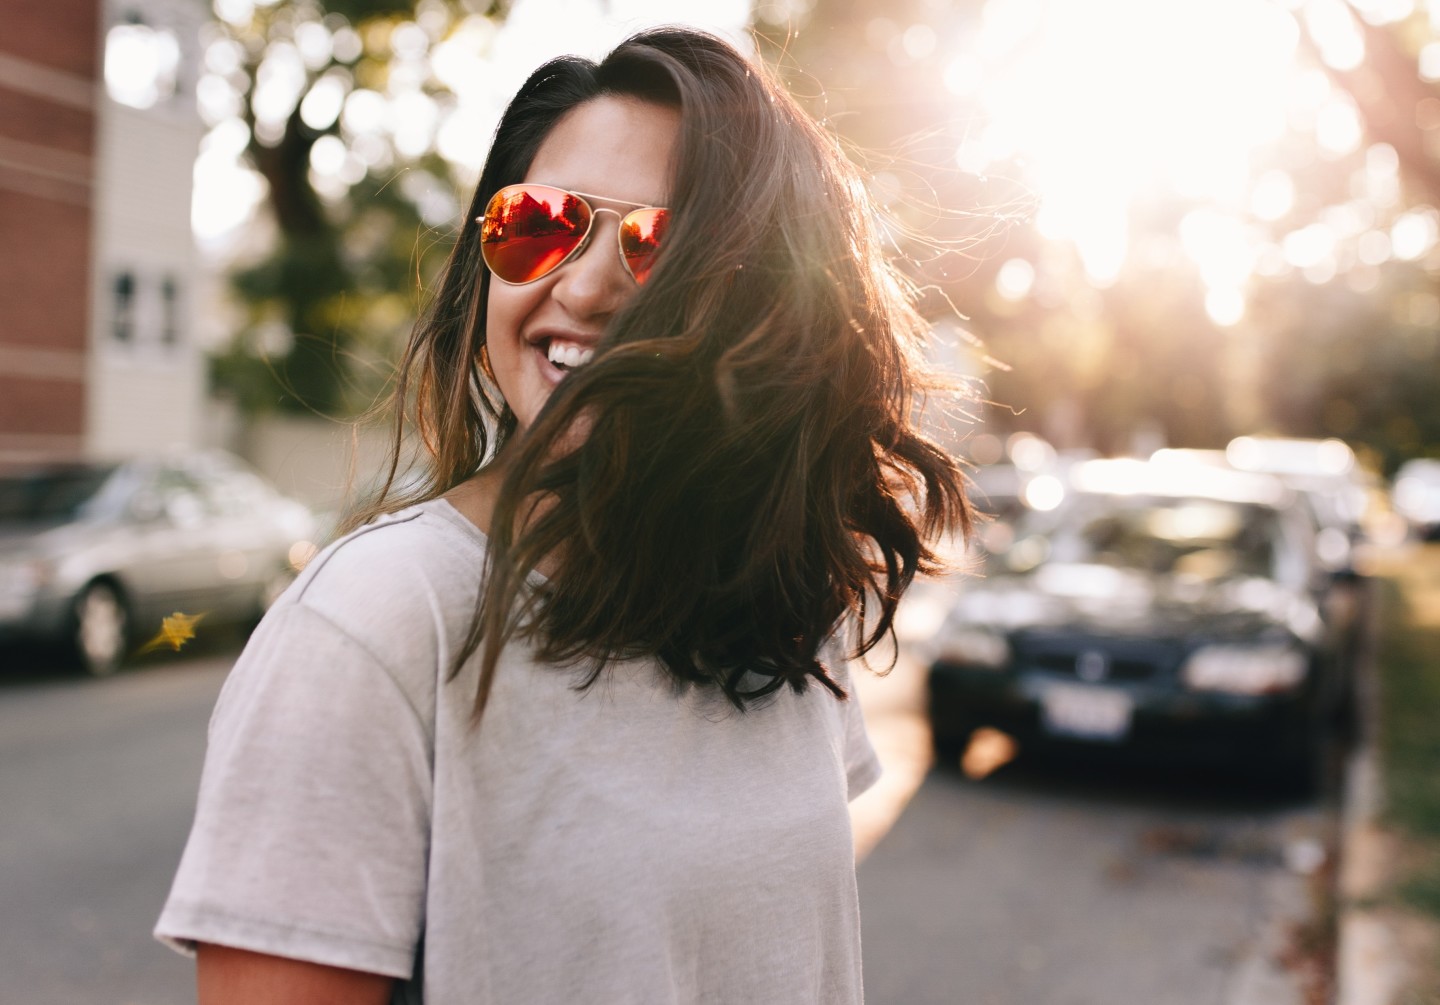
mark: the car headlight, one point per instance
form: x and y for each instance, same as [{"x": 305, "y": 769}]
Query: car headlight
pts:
[
  {"x": 1262, "y": 669},
  {"x": 974, "y": 647}
]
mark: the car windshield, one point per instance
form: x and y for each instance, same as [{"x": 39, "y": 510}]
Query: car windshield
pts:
[
  {"x": 52, "y": 495},
  {"x": 1206, "y": 538}
]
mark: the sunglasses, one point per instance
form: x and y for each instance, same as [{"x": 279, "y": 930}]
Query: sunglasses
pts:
[{"x": 529, "y": 231}]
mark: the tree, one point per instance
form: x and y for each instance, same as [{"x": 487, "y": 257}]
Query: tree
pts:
[{"x": 357, "y": 198}]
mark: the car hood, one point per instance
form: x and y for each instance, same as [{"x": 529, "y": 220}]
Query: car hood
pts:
[{"x": 1115, "y": 602}]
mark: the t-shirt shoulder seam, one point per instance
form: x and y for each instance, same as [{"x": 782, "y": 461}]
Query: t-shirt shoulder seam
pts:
[
  {"x": 364, "y": 647},
  {"x": 330, "y": 553}
]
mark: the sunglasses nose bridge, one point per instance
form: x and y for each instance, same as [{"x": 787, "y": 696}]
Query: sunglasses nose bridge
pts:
[{"x": 590, "y": 232}]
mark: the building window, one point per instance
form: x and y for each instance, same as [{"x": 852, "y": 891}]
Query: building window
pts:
[
  {"x": 169, "y": 312},
  {"x": 124, "y": 318},
  {"x": 141, "y": 63}
]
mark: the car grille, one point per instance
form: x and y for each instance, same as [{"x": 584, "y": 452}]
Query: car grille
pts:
[
  {"x": 1116, "y": 667},
  {"x": 1098, "y": 659}
]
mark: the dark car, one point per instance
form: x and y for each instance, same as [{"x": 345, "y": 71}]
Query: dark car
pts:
[
  {"x": 1331, "y": 491},
  {"x": 95, "y": 556},
  {"x": 1161, "y": 607}
]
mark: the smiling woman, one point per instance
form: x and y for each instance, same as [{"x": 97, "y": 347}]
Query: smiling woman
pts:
[{"x": 572, "y": 721}]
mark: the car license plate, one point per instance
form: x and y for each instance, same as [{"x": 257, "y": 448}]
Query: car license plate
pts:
[{"x": 1088, "y": 713}]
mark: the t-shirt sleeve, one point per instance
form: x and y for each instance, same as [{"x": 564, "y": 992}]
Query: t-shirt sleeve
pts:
[
  {"x": 311, "y": 830},
  {"x": 862, "y": 767}
]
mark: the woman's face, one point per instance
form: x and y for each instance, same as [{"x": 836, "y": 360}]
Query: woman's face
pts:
[{"x": 616, "y": 147}]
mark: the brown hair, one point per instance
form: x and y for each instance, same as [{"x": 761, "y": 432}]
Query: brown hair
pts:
[{"x": 751, "y": 472}]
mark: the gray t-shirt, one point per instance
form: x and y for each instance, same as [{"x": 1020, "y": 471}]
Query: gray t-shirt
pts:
[{"x": 636, "y": 842}]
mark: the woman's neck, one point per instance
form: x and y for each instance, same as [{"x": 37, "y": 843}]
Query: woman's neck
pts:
[{"x": 476, "y": 496}]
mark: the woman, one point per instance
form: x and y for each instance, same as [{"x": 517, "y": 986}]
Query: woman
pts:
[{"x": 574, "y": 724}]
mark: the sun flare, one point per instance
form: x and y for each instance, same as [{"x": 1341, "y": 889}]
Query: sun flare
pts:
[{"x": 1113, "y": 105}]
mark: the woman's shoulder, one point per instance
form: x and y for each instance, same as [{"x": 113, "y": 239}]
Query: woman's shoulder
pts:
[
  {"x": 430, "y": 540},
  {"x": 394, "y": 584},
  {"x": 408, "y": 536}
]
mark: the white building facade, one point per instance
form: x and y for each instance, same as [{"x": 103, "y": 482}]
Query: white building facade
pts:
[{"x": 146, "y": 375}]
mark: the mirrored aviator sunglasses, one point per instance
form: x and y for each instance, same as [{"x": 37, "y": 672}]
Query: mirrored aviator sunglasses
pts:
[{"x": 529, "y": 231}]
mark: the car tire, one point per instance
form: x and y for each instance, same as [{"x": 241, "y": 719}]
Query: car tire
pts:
[
  {"x": 948, "y": 741},
  {"x": 1306, "y": 773},
  {"x": 100, "y": 629}
]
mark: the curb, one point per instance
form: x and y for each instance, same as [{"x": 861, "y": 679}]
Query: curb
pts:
[{"x": 1370, "y": 968}]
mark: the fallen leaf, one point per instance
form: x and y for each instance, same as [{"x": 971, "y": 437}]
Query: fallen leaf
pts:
[{"x": 175, "y": 631}]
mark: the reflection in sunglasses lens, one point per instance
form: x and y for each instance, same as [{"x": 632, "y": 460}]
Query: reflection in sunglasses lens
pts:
[
  {"x": 528, "y": 231},
  {"x": 641, "y": 234}
]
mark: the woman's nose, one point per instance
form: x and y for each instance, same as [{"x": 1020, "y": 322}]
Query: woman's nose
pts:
[{"x": 595, "y": 283}]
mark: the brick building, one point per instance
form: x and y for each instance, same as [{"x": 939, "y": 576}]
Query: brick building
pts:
[
  {"x": 98, "y": 133},
  {"x": 49, "y": 99}
]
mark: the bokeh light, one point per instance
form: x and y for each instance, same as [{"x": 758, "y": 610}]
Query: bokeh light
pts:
[{"x": 443, "y": 88}]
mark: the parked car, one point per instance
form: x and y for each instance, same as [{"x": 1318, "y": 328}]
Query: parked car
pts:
[
  {"x": 1324, "y": 474},
  {"x": 1158, "y": 607},
  {"x": 1329, "y": 479},
  {"x": 1331, "y": 490},
  {"x": 95, "y": 555}
]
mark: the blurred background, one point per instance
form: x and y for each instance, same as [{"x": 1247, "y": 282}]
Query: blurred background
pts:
[
  {"x": 1198, "y": 235},
  {"x": 1166, "y": 224}
]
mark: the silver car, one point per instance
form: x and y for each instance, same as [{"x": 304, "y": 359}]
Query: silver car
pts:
[{"x": 95, "y": 556}]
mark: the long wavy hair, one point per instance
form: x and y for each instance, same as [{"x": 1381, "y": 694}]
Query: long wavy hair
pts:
[{"x": 750, "y": 472}]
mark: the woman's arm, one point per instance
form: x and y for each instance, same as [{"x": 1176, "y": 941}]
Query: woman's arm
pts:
[{"x": 228, "y": 976}]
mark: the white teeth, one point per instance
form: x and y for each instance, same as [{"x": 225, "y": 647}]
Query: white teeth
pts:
[{"x": 568, "y": 354}]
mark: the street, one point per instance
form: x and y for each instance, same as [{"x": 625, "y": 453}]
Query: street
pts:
[
  {"x": 1031, "y": 886},
  {"x": 1044, "y": 884},
  {"x": 98, "y": 781}
]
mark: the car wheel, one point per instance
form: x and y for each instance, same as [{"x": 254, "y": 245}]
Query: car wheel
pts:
[
  {"x": 948, "y": 740},
  {"x": 948, "y": 750},
  {"x": 101, "y": 629}
]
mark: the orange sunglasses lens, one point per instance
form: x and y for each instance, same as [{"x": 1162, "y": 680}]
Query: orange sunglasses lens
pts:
[
  {"x": 641, "y": 234},
  {"x": 528, "y": 230}
]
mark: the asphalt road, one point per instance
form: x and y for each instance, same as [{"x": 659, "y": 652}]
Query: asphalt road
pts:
[
  {"x": 1033, "y": 886},
  {"x": 1040, "y": 886},
  {"x": 1049, "y": 883},
  {"x": 97, "y": 785}
]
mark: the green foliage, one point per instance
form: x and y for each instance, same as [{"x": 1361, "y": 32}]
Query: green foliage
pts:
[
  {"x": 327, "y": 305},
  {"x": 1422, "y": 892},
  {"x": 344, "y": 296},
  {"x": 1408, "y": 665},
  {"x": 1409, "y": 668}
]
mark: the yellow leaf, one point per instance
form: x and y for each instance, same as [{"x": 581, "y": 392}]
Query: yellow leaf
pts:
[{"x": 175, "y": 631}]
